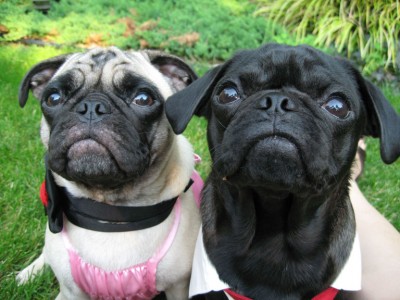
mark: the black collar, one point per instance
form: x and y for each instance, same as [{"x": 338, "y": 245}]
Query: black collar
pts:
[{"x": 93, "y": 215}]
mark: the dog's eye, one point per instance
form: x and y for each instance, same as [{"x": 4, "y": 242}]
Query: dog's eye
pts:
[
  {"x": 228, "y": 95},
  {"x": 143, "y": 99},
  {"x": 337, "y": 107},
  {"x": 53, "y": 99}
]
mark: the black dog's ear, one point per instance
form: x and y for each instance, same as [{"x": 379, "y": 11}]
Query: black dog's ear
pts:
[
  {"x": 178, "y": 73},
  {"x": 382, "y": 120},
  {"x": 37, "y": 78},
  {"x": 192, "y": 100}
]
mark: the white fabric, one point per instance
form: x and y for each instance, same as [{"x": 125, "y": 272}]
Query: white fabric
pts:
[
  {"x": 205, "y": 278},
  {"x": 349, "y": 278}
]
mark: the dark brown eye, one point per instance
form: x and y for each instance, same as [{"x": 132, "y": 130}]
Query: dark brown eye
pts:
[
  {"x": 54, "y": 99},
  {"x": 228, "y": 95},
  {"x": 337, "y": 107},
  {"x": 143, "y": 99}
]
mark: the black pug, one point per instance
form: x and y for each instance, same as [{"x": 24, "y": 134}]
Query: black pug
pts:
[{"x": 283, "y": 127}]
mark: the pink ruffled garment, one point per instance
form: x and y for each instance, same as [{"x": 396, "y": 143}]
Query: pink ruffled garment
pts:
[{"x": 135, "y": 283}]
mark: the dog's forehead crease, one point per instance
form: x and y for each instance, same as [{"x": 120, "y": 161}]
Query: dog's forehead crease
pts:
[
  {"x": 304, "y": 69},
  {"x": 110, "y": 65}
]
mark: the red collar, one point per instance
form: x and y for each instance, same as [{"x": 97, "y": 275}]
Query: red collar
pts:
[
  {"x": 236, "y": 296},
  {"x": 43, "y": 194},
  {"x": 328, "y": 294}
]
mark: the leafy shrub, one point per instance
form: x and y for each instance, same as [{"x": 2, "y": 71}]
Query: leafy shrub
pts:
[
  {"x": 370, "y": 28},
  {"x": 208, "y": 29}
]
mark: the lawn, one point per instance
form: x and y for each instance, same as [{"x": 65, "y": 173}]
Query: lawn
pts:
[{"x": 204, "y": 33}]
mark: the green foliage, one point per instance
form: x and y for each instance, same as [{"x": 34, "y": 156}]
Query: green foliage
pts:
[
  {"x": 370, "y": 28},
  {"x": 212, "y": 30},
  {"x": 10, "y": 15},
  {"x": 221, "y": 30},
  {"x": 183, "y": 27}
]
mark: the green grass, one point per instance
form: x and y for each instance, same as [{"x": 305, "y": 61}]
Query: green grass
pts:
[
  {"x": 21, "y": 164},
  {"x": 381, "y": 182},
  {"x": 224, "y": 27}
]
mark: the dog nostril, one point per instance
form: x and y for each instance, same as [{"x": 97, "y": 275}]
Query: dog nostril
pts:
[
  {"x": 285, "y": 104},
  {"x": 100, "y": 109},
  {"x": 92, "y": 110},
  {"x": 278, "y": 103},
  {"x": 82, "y": 108},
  {"x": 268, "y": 103}
]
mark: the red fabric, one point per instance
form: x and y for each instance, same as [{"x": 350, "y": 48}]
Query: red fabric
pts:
[
  {"x": 236, "y": 296},
  {"x": 43, "y": 194},
  {"x": 328, "y": 294}
]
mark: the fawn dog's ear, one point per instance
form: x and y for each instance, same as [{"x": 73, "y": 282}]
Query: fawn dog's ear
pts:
[
  {"x": 177, "y": 72},
  {"x": 38, "y": 76}
]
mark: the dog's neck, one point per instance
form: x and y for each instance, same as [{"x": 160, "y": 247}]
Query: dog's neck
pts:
[
  {"x": 281, "y": 213},
  {"x": 275, "y": 231}
]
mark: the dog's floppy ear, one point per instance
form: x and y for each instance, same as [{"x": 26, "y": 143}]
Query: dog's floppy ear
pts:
[
  {"x": 382, "y": 120},
  {"x": 181, "y": 106},
  {"x": 178, "y": 73},
  {"x": 38, "y": 76}
]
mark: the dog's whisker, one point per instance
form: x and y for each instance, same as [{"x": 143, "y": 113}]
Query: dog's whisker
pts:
[{"x": 221, "y": 124}]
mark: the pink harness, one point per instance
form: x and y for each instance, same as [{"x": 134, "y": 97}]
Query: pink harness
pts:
[{"x": 135, "y": 283}]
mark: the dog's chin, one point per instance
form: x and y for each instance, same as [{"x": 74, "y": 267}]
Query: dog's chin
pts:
[
  {"x": 274, "y": 163},
  {"x": 92, "y": 164}
]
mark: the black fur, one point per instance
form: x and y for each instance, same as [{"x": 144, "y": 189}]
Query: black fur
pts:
[{"x": 277, "y": 219}]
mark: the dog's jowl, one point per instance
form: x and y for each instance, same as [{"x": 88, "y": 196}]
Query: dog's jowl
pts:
[
  {"x": 121, "y": 211},
  {"x": 284, "y": 123}
]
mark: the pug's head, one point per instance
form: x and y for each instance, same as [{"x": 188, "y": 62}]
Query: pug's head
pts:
[
  {"x": 103, "y": 112},
  {"x": 287, "y": 118}
]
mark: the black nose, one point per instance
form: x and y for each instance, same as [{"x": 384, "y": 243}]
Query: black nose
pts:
[
  {"x": 278, "y": 103},
  {"x": 91, "y": 111}
]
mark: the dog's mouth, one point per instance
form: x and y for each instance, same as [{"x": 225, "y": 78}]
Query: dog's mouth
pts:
[
  {"x": 274, "y": 161},
  {"x": 92, "y": 163},
  {"x": 87, "y": 147},
  {"x": 98, "y": 158},
  {"x": 282, "y": 144}
]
